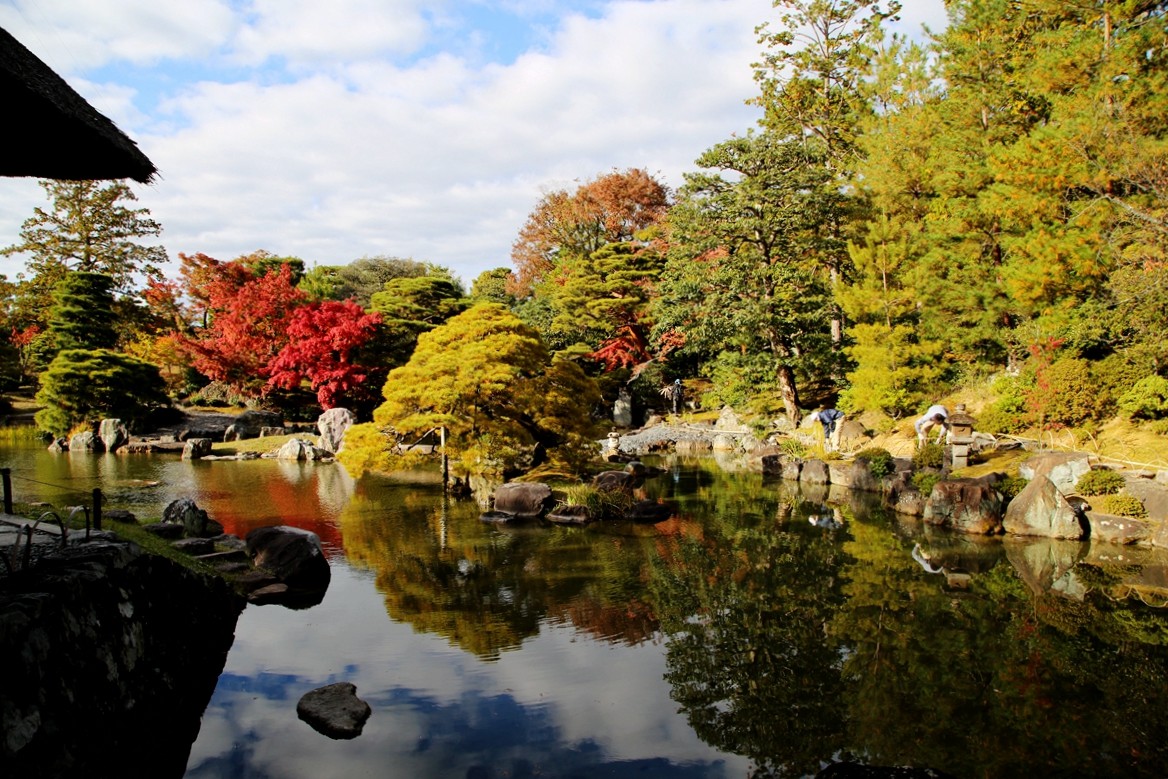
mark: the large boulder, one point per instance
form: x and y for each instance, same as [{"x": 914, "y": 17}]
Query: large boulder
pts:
[
  {"x": 622, "y": 409},
  {"x": 113, "y": 434},
  {"x": 524, "y": 500},
  {"x": 852, "y": 435},
  {"x": 728, "y": 420},
  {"x": 965, "y": 505},
  {"x": 292, "y": 555},
  {"x": 298, "y": 449},
  {"x": 614, "y": 481},
  {"x": 332, "y": 425},
  {"x": 86, "y": 441},
  {"x": 249, "y": 423},
  {"x": 196, "y": 448},
  {"x": 1120, "y": 530},
  {"x": 334, "y": 710},
  {"x": 815, "y": 472},
  {"x": 194, "y": 520},
  {"x": 1041, "y": 510},
  {"x": 1062, "y": 468},
  {"x": 853, "y": 474}
]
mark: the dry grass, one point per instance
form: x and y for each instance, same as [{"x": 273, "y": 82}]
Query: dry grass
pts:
[{"x": 262, "y": 445}]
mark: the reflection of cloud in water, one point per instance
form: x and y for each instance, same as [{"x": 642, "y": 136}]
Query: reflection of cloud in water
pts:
[{"x": 563, "y": 705}]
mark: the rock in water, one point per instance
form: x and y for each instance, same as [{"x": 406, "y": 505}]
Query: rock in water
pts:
[
  {"x": 292, "y": 555},
  {"x": 334, "y": 710}
]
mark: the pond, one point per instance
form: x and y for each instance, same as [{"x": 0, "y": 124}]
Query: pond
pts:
[{"x": 761, "y": 631}]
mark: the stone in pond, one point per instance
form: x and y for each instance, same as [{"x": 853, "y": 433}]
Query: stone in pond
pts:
[{"x": 334, "y": 710}]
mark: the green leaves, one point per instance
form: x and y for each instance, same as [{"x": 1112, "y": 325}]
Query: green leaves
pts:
[
  {"x": 81, "y": 386},
  {"x": 486, "y": 377}
]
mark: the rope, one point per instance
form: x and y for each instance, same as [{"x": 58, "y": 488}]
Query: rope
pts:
[{"x": 77, "y": 494}]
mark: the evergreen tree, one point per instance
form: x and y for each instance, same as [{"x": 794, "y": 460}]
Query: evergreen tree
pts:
[
  {"x": 488, "y": 379},
  {"x": 87, "y": 380},
  {"x": 83, "y": 317},
  {"x": 89, "y": 227},
  {"x": 738, "y": 280},
  {"x": 82, "y": 386}
]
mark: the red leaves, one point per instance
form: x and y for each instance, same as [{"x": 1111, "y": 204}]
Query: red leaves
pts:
[
  {"x": 248, "y": 328},
  {"x": 626, "y": 349},
  {"x": 323, "y": 338}
]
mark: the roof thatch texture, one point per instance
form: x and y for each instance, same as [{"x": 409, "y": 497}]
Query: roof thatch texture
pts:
[{"x": 52, "y": 132}]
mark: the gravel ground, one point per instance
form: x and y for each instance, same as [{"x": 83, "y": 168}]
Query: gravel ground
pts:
[{"x": 662, "y": 437}]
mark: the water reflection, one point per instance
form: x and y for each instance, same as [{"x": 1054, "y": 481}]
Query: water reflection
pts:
[
  {"x": 737, "y": 637},
  {"x": 487, "y": 588}
]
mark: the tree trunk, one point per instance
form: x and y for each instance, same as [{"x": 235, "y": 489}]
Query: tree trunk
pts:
[{"x": 790, "y": 393}]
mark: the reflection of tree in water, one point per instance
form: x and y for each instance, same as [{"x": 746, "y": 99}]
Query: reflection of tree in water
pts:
[
  {"x": 486, "y": 588},
  {"x": 749, "y": 658},
  {"x": 996, "y": 681}
]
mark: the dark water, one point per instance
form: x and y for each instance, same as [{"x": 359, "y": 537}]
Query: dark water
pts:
[{"x": 760, "y": 632}]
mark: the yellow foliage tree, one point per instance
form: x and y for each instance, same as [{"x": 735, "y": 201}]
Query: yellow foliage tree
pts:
[{"x": 488, "y": 380}]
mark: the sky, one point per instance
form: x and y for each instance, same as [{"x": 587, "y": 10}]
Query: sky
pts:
[{"x": 426, "y": 129}]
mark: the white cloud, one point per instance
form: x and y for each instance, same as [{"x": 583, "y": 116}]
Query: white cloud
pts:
[
  {"x": 74, "y": 35},
  {"x": 306, "y": 31},
  {"x": 439, "y": 158}
]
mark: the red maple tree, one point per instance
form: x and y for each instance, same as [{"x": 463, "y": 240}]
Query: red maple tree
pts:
[
  {"x": 324, "y": 339},
  {"x": 247, "y": 327}
]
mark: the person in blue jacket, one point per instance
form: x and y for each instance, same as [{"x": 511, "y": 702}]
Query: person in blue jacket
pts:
[{"x": 830, "y": 418}]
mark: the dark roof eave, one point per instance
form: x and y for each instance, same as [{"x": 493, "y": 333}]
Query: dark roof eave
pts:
[{"x": 52, "y": 132}]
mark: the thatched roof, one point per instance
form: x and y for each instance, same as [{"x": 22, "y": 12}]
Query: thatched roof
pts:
[{"x": 51, "y": 132}]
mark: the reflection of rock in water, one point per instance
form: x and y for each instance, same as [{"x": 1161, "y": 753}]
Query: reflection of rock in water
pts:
[
  {"x": 1047, "y": 564},
  {"x": 109, "y": 659}
]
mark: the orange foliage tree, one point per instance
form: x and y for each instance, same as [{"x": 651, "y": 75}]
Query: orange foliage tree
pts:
[{"x": 608, "y": 209}]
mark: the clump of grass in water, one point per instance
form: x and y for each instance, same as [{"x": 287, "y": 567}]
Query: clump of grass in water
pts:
[{"x": 600, "y": 503}]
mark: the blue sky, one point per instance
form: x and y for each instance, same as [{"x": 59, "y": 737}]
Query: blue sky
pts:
[{"x": 410, "y": 128}]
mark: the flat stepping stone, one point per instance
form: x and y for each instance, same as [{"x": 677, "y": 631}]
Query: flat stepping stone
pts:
[
  {"x": 197, "y": 547},
  {"x": 334, "y": 710}
]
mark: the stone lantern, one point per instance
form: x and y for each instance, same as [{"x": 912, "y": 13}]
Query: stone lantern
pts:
[{"x": 960, "y": 436}]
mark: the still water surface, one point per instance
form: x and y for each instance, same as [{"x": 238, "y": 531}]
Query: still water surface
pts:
[{"x": 762, "y": 631}]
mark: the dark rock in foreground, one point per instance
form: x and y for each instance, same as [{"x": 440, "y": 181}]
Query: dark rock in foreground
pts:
[
  {"x": 110, "y": 656},
  {"x": 294, "y": 556},
  {"x": 334, "y": 710}
]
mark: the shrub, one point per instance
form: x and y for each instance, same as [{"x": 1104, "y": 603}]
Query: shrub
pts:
[
  {"x": 1147, "y": 399},
  {"x": 793, "y": 447},
  {"x": 1099, "y": 481},
  {"x": 998, "y": 421},
  {"x": 1118, "y": 372},
  {"x": 924, "y": 481},
  {"x": 1011, "y": 486},
  {"x": 1159, "y": 427},
  {"x": 1068, "y": 394},
  {"x": 84, "y": 385},
  {"x": 879, "y": 461},
  {"x": 1121, "y": 505},
  {"x": 929, "y": 456}
]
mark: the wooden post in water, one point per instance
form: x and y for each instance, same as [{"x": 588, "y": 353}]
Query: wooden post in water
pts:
[
  {"x": 96, "y": 509},
  {"x": 445, "y": 460},
  {"x": 6, "y": 477}
]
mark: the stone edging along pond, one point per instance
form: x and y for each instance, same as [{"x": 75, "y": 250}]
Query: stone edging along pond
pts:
[{"x": 1047, "y": 506}]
